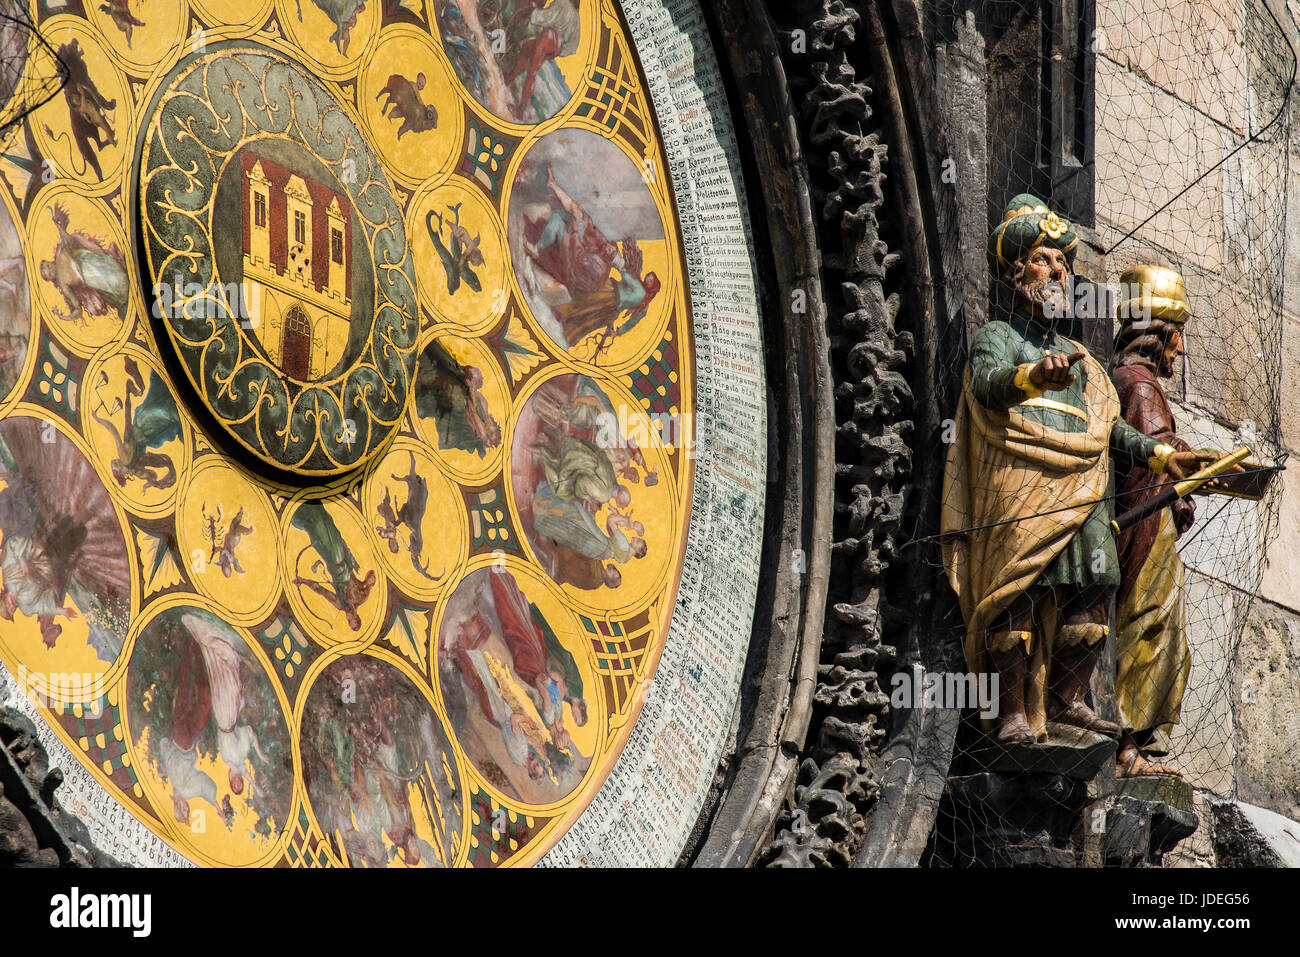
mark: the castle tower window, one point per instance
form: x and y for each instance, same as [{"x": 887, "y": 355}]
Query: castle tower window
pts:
[
  {"x": 338, "y": 259},
  {"x": 256, "y": 201},
  {"x": 300, "y": 227}
]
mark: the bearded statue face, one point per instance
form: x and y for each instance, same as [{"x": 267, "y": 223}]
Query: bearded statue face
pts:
[{"x": 1043, "y": 283}]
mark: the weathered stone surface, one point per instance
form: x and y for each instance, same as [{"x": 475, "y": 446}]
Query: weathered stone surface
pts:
[
  {"x": 1282, "y": 834},
  {"x": 1222, "y": 376},
  {"x": 959, "y": 78},
  {"x": 1281, "y": 584},
  {"x": 993, "y": 819},
  {"x": 1225, "y": 544},
  {"x": 1291, "y": 293},
  {"x": 1203, "y": 744},
  {"x": 18, "y": 844},
  {"x": 1069, "y": 751},
  {"x": 1265, "y": 697},
  {"x": 1140, "y": 833},
  {"x": 35, "y": 831},
  {"x": 1164, "y": 788},
  {"x": 1141, "y": 167},
  {"x": 1183, "y": 69},
  {"x": 1148, "y": 817},
  {"x": 1197, "y": 850},
  {"x": 1237, "y": 843},
  {"x": 18, "y": 735},
  {"x": 1237, "y": 834}
]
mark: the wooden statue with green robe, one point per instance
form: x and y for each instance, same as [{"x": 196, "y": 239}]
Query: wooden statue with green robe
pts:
[{"x": 1028, "y": 546}]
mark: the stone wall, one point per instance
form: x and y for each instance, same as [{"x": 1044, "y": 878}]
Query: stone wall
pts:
[{"x": 1240, "y": 733}]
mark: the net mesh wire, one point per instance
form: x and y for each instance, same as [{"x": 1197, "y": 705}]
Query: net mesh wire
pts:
[
  {"x": 1182, "y": 108},
  {"x": 1187, "y": 155},
  {"x": 31, "y": 73}
]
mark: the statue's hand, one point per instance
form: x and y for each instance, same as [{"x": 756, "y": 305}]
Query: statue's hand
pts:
[
  {"x": 1183, "y": 464},
  {"x": 1052, "y": 373}
]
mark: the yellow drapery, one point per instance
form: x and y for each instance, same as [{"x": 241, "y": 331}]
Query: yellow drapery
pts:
[
  {"x": 1005, "y": 466},
  {"x": 1152, "y": 660}
]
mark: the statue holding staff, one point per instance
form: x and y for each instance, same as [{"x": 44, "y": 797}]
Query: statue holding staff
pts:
[
  {"x": 1027, "y": 541},
  {"x": 1151, "y": 654}
]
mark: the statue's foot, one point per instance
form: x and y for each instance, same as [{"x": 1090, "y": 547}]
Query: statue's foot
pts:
[
  {"x": 1130, "y": 763},
  {"x": 1079, "y": 715},
  {"x": 1014, "y": 729}
]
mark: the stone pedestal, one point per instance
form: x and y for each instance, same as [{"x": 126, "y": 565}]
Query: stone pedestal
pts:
[
  {"x": 1070, "y": 751},
  {"x": 1148, "y": 816},
  {"x": 1024, "y": 804}
]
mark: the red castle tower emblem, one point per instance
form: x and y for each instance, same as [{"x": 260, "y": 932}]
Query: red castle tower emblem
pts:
[{"x": 297, "y": 243}]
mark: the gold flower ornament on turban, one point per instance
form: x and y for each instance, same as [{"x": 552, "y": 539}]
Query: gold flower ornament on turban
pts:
[{"x": 1026, "y": 223}]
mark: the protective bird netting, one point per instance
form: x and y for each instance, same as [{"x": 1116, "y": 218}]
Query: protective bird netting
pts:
[
  {"x": 30, "y": 71},
  {"x": 1142, "y": 145}
]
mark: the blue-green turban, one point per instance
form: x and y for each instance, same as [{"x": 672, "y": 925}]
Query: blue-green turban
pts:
[{"x": 1027, "y": 223}]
